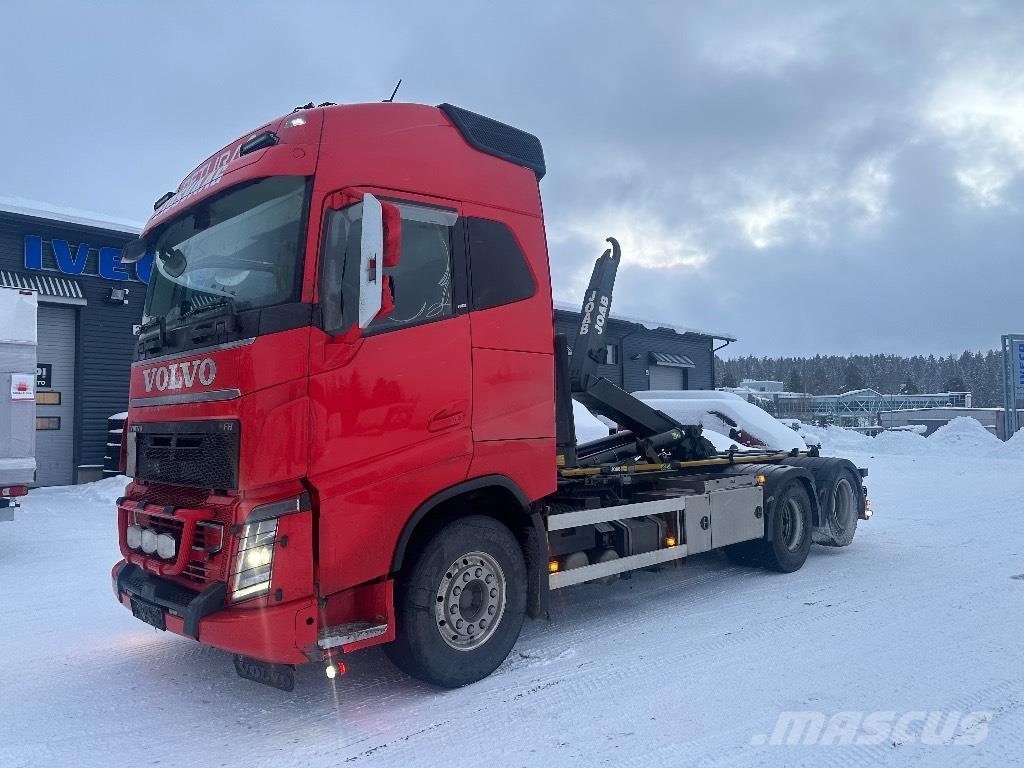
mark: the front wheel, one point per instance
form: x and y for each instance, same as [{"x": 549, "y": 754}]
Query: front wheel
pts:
[{"x": 460, "y": 607}]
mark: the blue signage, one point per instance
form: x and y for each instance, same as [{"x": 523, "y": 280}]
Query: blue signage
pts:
[{"x": 76, "y": 260}]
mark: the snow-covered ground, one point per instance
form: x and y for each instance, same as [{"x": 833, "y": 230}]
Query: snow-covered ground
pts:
[{"x": 692, "y": 665}]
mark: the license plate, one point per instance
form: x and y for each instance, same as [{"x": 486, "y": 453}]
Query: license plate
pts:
[{"x": 149, "y": 613}]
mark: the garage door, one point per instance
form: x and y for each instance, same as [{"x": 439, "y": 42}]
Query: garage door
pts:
[
  {"x": 55, "y": 396},
  {"x": 667, "y": 377}
]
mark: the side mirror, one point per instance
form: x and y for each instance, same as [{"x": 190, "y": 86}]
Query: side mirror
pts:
[
  {"x": 134, "y": 251},
  {"x": 392, "y": 234},
  {"x": 371, "y": 261},
  {"x": 172, "y": 262}
]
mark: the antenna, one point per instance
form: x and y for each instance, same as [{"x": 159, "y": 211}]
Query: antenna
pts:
[{"x": 392, "y": 97}]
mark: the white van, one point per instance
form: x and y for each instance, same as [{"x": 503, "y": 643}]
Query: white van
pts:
[{"x": 17, "y": 396}]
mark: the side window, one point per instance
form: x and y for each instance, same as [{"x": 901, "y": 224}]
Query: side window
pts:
[
  {"x": 499, "y": 273},
  {"x": 422, "y": 281}
]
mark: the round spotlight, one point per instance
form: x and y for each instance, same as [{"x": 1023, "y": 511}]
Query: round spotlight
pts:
[
  {"x": 148, "y": 541},
  {"x": 133, "y": 536},
  {"x": 166, "y": 546}
]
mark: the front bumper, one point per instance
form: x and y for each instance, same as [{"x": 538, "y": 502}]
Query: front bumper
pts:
[{"x": 279, "y": 633}]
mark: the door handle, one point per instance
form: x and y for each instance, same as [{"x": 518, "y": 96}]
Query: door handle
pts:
[{"x": 445, "y": 419}]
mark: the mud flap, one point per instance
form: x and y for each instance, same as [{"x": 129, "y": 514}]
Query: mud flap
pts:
[{"x": 280, "y": 676}]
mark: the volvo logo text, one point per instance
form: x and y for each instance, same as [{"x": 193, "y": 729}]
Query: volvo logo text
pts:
[{"x": 180, "y": 375}]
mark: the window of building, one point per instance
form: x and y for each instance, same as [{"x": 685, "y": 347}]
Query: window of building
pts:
[
  {"x": 611, "y": 354},
  {"x": 498, "y": 270}
]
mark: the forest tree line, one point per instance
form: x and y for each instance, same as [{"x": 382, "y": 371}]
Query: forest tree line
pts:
[{"x": 980, "y": 373}]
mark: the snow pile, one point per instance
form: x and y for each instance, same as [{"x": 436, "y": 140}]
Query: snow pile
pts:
[
  {"x": 961, "y": 437},
  {"x": 67, "y": 498},
  {"x": 836, "y": 440},
  {"x": 965, "y": 436},
  {"x": 900, "y": 443},
  {"x": 715, "y": 410},
  {"x": 1014, "y": 447}
]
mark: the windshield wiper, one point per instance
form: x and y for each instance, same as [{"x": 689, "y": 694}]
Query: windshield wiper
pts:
[
  {"x": 153, "y": 343},
  {"x": 218, "y": 304}
]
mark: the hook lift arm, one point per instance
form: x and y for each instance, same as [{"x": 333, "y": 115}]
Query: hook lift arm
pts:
[{"x": 648, "y": 432}]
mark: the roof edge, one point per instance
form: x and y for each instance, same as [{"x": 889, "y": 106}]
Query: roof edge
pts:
[
  {"x": 564, "y": 306},
  {"x": 40, "y": 210}
]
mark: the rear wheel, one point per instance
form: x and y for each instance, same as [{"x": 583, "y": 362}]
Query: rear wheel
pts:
[
  {"x": 841, "y": 509},
  {"x": 790, "y": 541},
  {"x": 460, "y": 607}
]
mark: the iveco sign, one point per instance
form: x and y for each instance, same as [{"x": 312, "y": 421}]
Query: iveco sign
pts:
[{"x": 80, "y": 260}]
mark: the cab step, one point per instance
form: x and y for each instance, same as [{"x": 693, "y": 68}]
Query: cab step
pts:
[{"x": 353, "y": 631}]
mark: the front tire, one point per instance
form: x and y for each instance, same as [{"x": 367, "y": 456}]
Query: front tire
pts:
[{"x": 460, "y": 607}]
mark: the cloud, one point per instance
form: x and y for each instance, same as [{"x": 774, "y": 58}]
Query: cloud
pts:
[
  {"x": 813, "y": 177},
  {"x": 980, "y": 113}
]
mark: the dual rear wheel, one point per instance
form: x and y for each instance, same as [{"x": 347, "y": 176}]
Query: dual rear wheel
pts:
[{"x": 792, "y": 531}]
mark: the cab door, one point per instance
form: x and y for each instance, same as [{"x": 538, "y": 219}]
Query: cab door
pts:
[{"x": 390, "y": 408}]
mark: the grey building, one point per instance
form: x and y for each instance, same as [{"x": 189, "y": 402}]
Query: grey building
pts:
[
  {"x": 649, "y": 354},
  {"x": 88, "y": 303}
]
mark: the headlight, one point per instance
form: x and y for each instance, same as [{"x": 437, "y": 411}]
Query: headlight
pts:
[
  {"x": 148, "y": 541},
  {"x": 255, "y": 559},
  {"x": 133, "y": 536},
  {"x": 165, "y": 546}
]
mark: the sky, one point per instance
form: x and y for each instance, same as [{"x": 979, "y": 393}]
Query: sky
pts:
[{"x": 809, "y": 177}]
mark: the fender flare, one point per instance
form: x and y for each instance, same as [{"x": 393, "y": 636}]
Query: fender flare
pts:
[
  {"x": 825, "y": 469},
  {"x": 775, "y": 476},
  {"x": 535, "y": 548}
]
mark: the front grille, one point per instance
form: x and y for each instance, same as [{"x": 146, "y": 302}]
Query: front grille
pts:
[
  {"x": 198, "y": 454},
  {"x": 174, "y": 496}
]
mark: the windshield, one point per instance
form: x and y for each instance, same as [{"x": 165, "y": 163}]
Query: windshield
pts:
[{"x": 242, "y": 249}]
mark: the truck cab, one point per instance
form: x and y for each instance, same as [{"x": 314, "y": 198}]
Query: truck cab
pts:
[{"x": 347, "y": 335}]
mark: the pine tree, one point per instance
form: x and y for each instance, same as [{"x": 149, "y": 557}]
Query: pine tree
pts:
[
  {"x": 975, "y": 372},
  {"x": 954, "y": 384},
  {"x": 853, "y": 377},
  {"x": 795, "y": 382}
]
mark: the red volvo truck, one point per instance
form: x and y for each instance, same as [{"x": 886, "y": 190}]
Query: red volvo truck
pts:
[{"x": 350, "y": 419}]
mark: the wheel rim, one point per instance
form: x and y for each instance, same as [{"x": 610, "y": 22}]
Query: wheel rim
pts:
[
  {"x": 843, "y": 506},
  {"x": 470, "y": 601},
  {"x": 792, "y": 525}
]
